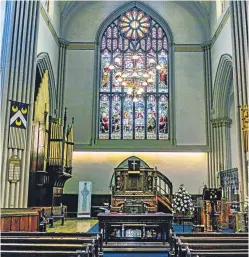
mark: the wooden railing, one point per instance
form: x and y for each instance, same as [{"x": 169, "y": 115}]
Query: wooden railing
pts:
[{"x": 177, "y": 247}]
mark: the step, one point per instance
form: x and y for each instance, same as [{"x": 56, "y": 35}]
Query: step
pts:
[{"x": 136, "y": 247}]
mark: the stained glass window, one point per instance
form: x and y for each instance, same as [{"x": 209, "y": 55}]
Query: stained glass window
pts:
[{"x": 133, "y": 87}]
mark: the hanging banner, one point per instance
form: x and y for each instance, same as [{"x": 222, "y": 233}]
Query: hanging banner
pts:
[
  {"x": 84, "y": 199},
  {"x": 17, "y": 125}
]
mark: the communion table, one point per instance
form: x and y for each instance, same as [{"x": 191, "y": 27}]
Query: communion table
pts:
[{"x": 141, "y": 227}]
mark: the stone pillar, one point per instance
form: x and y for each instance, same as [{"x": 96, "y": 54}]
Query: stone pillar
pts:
[
  {"x": 208, "y": 97},
  {"x": 220, "y": 148},
  {"x": 18, "y": 84},
  {"x": 239, "y": 23},
  {"x": 61, "y": 79}
]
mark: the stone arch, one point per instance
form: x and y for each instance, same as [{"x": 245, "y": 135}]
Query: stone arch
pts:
[
  {"x": 223, "y": 88},
  {"x": 43, "y": 63},
  {"x": 114, "y": 15},
  {"x": 220, "y": 154}
]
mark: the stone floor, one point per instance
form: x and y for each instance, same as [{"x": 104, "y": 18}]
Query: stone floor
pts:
[{"x": 73, "y": 225}]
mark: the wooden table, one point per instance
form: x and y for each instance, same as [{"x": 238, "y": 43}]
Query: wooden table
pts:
[{"x": 144, "y": 227}]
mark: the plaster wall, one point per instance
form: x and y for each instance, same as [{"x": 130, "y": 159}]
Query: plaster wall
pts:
[
  {"x": 98, "y": 167},
  {"x": 53, "y": 14},
  {"x": 78, "y": 95},
  {"x": 190, "y": 99},
  {"x": 47, "y": 44},
  {"x": 223, "y": 45},
  {"x": 216, "y": 14}
]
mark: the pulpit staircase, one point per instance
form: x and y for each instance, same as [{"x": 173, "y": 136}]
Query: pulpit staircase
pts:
[{"x": 163, "y": 193}]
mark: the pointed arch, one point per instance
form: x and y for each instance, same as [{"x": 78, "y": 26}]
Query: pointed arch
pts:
[
  {"x": 223, "y": 87},
  {"x": 124, "y": 164},
  {"x": 125, "y": 8},
  {"x": 169, "y": 35},
  {"x": 43, "y": 64}
]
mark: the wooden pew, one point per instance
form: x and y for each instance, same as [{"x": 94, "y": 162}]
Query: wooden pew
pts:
[
  {"x": 211, "y": 244},
  {"x": 6, "y": 253},
  {"x": 19, "y": 220},
  {"x": 53, "y": 241},
  {"x": 51, "y": 214}
]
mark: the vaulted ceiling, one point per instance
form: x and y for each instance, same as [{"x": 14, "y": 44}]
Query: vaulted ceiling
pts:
[{"x": 198, "y": 9}]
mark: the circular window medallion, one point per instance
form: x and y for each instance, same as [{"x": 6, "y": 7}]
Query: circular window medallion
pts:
[{"x": 134, "y": 24}]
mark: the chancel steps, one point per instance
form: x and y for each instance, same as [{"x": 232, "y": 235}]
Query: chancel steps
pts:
[{"x": 136, "y": 247}]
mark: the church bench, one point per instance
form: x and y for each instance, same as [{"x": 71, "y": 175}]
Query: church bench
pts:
[
  {"x": 91, "y": 241},
  {"x": 206, "y": 246},
  {"x": 44, "y": 246},
  {"x": 94, "y": 239},
  {"x": 19, "y": 220},
  {"x": 6, "y": 253},
  {"x": 49, "y": 214},
  {"x": 86, "y": 249}
]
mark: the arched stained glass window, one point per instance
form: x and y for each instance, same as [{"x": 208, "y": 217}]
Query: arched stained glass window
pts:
[{"x": 133, "y": 90}]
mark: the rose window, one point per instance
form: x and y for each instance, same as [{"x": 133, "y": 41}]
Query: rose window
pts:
[{"x": 134, "y": 24}]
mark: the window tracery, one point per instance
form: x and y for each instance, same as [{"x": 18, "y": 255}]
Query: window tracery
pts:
[{"x": 133, "y": 89}]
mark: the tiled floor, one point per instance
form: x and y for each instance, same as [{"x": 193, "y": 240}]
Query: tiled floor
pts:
[{"x": 73, "y": 225}]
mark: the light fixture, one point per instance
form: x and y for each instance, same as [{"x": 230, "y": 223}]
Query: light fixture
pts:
[
  {"x": 134, "y": 76},
  {"x": 129, "y": 91},
  {"x": 111, "y": 67},
  {"x": 150, "y": 80}
]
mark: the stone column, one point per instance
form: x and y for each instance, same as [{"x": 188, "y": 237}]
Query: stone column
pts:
[
  {"x": 239, "y": 23},
  {"x": 220, "y": 147},
  {"x": 61, "y": 79},
  {"x": 18, "y": 84},
  {"x": 208, "y": 97}
]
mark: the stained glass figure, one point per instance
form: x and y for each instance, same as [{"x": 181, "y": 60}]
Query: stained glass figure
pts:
[
  {"x": 116, "y": 117},
  {"x": 139, "y": 118},
  {"x": 105, "y": 78},
  {"x": 151, "y": 117},
  {"x": 128, "y": 118},
  {"x": 163, "y": 73},
  {"x": 133, "y": 89},
  {"x": 163, "y": 117},
  {"x": 104, "y": 117}
]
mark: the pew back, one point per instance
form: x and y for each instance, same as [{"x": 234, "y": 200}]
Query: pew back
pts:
[
  {"x": 19, "y": 220},
  {"x": 40, "y": 241}
]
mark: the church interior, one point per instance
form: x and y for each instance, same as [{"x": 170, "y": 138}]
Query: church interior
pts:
[{"x": 124, "y": 128}]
